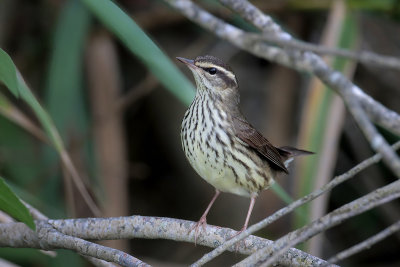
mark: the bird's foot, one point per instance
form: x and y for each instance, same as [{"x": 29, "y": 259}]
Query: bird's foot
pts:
[
  {"x": 237, "y": 244},
  {"x": 201, "y": 223}
]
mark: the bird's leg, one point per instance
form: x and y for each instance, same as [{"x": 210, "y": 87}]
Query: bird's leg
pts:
[
  {"x": 252, "y": 201},
  {"x": 203, "y": 219}
]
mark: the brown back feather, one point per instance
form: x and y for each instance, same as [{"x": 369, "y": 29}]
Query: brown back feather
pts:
[{"x": 255, "y": 140}]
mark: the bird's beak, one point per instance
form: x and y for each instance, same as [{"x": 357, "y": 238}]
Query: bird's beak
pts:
[{"x": 187, "y": 62}]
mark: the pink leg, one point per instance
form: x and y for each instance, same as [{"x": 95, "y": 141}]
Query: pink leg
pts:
[
  {"x": 252, "y": 201},
  {"x": 203, "y": 220}
]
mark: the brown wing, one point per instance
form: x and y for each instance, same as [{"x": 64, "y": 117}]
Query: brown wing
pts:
[{"x": 254, "y": 139}]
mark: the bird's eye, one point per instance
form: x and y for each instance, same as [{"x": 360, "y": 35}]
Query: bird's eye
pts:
[{"x": 212, "y": 71}]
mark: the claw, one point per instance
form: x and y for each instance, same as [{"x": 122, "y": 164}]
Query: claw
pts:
[
  {"x": 201, "y": 223},
  {"x": 203, "y": 220},
  {"x": 237, "y": 244}
]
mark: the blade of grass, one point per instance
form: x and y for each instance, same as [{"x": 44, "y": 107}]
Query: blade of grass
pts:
[
  {"x": 8, "y": 75},
  {"x": 65, "y": 100}
]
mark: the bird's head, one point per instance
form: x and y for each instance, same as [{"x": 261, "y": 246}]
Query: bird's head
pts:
[{"x": 212, "y": 75}]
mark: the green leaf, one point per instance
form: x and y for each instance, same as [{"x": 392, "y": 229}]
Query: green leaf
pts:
[
  {"x": 133, "y": 37},
  {"x": 10, "y": 204},
  {"x": 64, "y": 80},
  {"x": 8, "y": 73}
]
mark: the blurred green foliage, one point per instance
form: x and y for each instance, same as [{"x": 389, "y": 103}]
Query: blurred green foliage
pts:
[
  {"x": 66, "y": 109},
  {"x": 10, "y": 204},
  {"x": 8, "y": 75}
]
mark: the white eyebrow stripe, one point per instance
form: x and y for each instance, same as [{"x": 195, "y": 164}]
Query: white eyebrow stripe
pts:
[
  {"x": 221, "y": 69},
  {"x": 226, "y": 72}
]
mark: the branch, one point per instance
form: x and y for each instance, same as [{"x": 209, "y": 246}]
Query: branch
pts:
[
  {"x": 365, "y": 57},
  {"x": 286, "y": 210},
  {"x": 366, "y": 244},
  {"x": 37, "y": 215},
  {"x": 98, "y": 262},
  {"x": 378, "y": 197},
  {"x": 267, "y": 25},
  {"x": 18, "y": 235}
]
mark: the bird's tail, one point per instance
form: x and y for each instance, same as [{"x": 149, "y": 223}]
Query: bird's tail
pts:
[{"x": 288, "y": 153}]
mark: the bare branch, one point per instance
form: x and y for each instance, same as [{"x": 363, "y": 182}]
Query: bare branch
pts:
[
  {"x": 265, "y": 23},
  {"x": 98, "y": 262},
  {"x": 286, "y": 210},
  {"x": 18, "y": 235},
  {"x": 377, "y": 142},
  {"x": 54, "y": 239},
  {"x": 173, "y": 229},
  {"x": 14, "y": 114},
  {"x": 36, "y": 214},
  {"x": 378, "y": 197},
  {"x": 365, "y": 57},
  {"x": 141, "y": 90},
  {"x": 366, "y": 244}
]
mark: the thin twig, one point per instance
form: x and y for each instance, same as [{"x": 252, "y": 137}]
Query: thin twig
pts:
[
  {"x": 36, "y": 214},
  {"x": 365, "y": 57},
  {"x": 286, "y": 210},
  {"x": 366, "y": 244},
  {"x": 265, "y": 25},
  {"x": 68, "y": 164},
  {"x": 377, "y": 142},
  {"x": 15, "y": 115},
  {"x": 145, "y": 87},
  {"x": 5, "y": 218},
  {"x": 376, "y": 198}
]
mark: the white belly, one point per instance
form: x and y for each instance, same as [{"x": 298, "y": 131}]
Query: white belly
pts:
[{"x": 208, "y": 150}]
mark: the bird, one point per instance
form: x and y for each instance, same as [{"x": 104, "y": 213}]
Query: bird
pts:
[{"x": 221, "y": 145}]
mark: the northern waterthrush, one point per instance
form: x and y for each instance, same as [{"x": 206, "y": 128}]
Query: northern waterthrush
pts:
[{"x": 223, "y": 148}]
